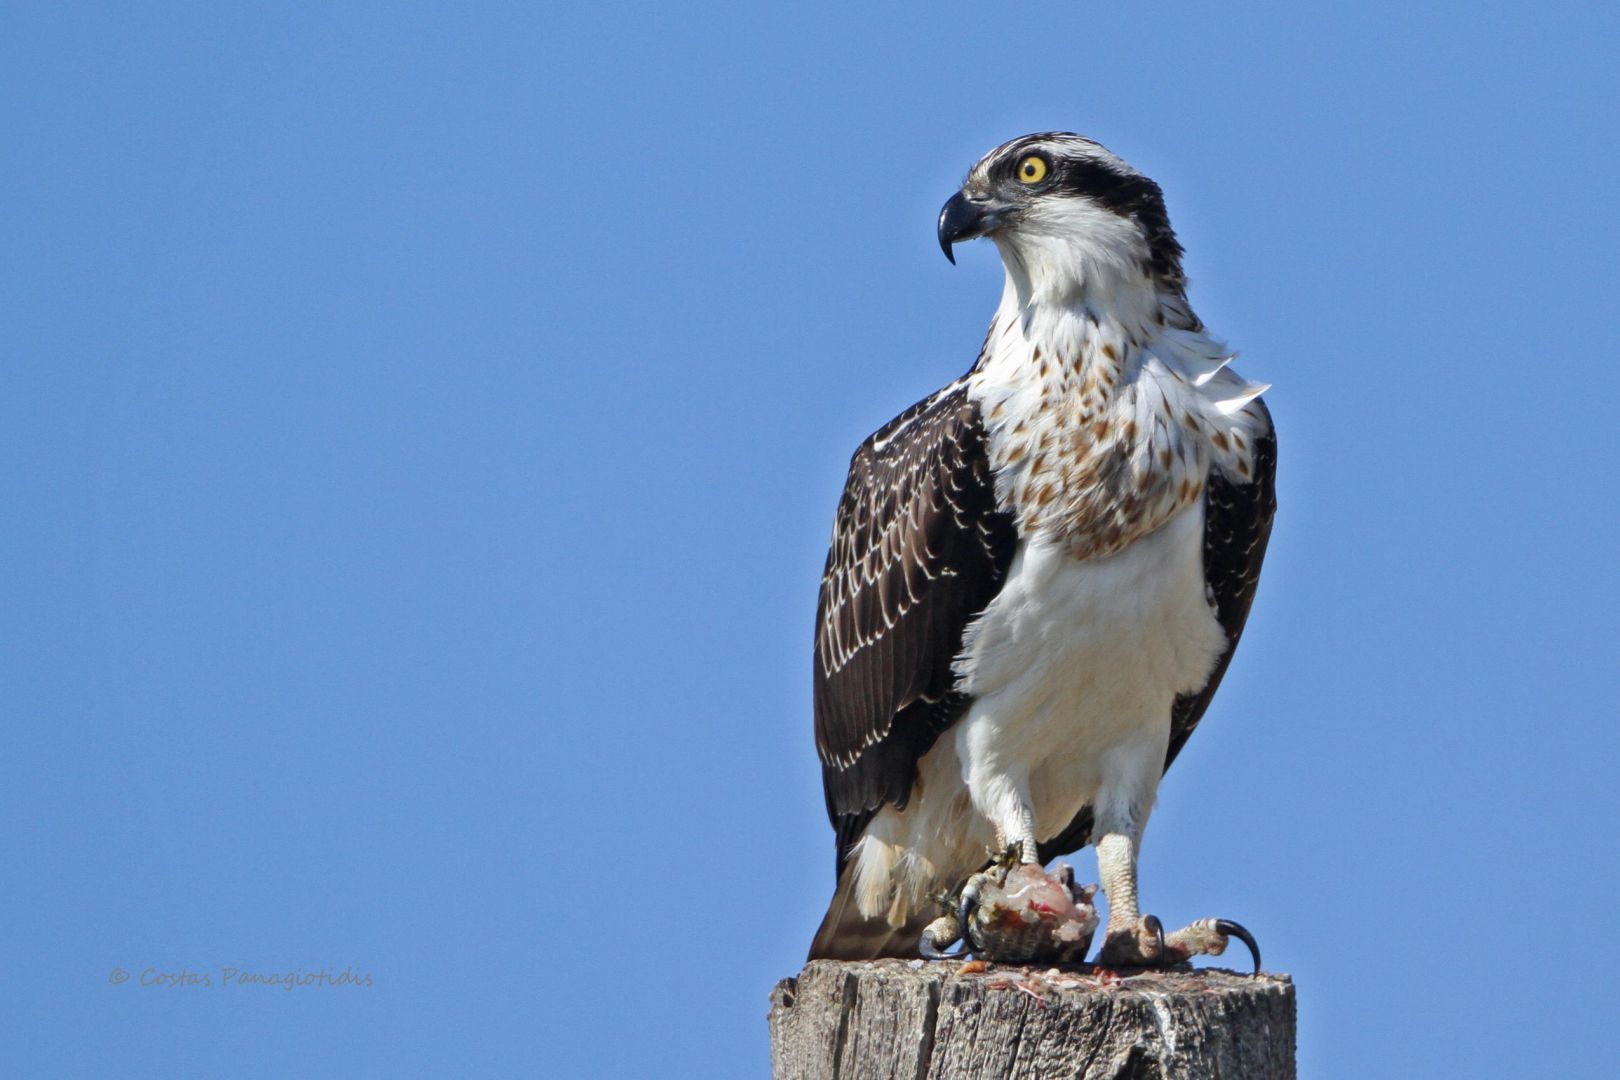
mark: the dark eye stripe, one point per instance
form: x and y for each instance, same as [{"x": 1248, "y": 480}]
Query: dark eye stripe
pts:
[
  {"x": 1122, "y": 193},
  {"x": 1130, "y": 195}
]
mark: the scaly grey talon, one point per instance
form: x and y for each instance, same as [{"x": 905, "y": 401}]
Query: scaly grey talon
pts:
[{"x": 1232, "y": 929}]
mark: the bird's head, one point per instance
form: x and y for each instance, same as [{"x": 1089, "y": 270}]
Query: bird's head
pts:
[{"x": 1067, "y": 215}]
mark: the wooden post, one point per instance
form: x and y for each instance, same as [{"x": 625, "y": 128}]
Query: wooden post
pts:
[{"x": 913, "y": 1021}]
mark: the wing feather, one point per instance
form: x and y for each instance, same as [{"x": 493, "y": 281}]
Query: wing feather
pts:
[
  {"x": 919, "y": 549},
  {"x": 1237, "y": 528}
]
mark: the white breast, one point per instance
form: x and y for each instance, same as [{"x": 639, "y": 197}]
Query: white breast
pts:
[{"x": 1074, "y": 668}]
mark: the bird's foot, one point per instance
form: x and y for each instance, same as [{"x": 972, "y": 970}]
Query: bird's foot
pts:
[
  {"x": 1016, "y": 914},
  {"x": 1145, "y": 944},
  {"x": 947, "y": 930},
  {"x": 938, "y": 937},
  {"x": 1209, "y": 937},
  {"x": 1139, "y": 943}
]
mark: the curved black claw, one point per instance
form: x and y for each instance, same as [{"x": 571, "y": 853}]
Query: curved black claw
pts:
[
  {"x": 1232, "y": 929},
  {"x": 930, "y": 951},
  {"x": 1153, "y": 923},
  {"x": 964, "y": 911}
]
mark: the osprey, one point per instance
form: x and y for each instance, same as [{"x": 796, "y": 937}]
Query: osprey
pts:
[{"x": 1039, "y": 572}]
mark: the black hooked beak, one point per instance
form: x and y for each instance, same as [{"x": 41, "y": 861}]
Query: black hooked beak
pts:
[{"x": 963, "y": 218}]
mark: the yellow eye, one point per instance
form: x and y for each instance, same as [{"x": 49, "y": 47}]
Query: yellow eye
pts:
[{"x": 1032, "y": 170}]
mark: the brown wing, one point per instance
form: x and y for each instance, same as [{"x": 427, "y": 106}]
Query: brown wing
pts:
[{"x": 918, "y": 550}]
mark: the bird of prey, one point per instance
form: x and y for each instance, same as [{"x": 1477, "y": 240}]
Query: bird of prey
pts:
[{"x": 1039, "y": 572}]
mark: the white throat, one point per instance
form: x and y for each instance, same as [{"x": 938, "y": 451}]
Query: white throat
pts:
[
  {"x": 1077, "y": 254},
  {"x": 1105, "y": 400}
]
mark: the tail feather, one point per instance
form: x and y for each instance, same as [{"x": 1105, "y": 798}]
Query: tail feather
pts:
[{"x": 846, "y": 934}]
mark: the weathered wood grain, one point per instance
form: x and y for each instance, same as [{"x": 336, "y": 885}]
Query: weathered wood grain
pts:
[{"x": 887, "y": 1018}]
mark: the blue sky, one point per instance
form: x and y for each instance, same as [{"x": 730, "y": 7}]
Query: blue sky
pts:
[{"x": 421, "y": 426}]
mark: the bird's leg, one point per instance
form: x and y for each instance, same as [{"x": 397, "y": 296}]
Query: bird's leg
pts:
[
  {"x": 1132, "y": 939},
  {"x": 1012, "y": 910},
  {"x": 1028, "y": 846},
  {"x": 1004, "y": 799},
  {"x": 1136, "y": 940}
]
